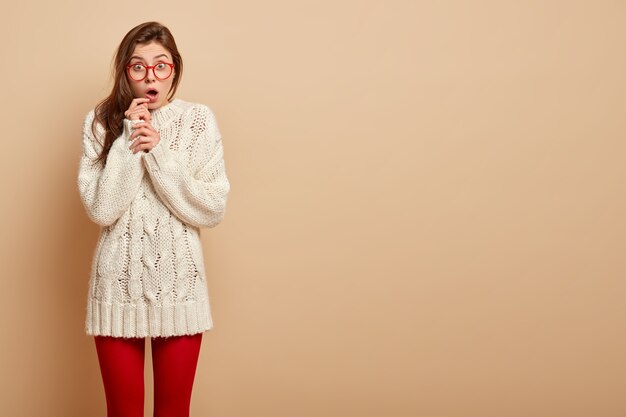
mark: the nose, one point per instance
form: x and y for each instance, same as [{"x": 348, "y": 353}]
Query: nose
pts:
[{"x": 150, "y": 77}]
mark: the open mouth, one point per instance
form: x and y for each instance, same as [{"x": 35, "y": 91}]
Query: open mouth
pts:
[{"x": 152, "y": 94}]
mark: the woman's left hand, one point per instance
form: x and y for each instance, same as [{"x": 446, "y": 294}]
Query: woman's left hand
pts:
[{"x": 144, "y": 137}]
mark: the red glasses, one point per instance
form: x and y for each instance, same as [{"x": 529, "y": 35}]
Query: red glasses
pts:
[{"x": 139, "y": 72}]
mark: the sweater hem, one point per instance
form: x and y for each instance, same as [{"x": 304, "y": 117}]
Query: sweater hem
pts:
[{"x": 144, "y": 320}]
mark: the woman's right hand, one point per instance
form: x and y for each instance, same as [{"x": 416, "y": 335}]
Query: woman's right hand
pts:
[{"x": 138, "y": 110}]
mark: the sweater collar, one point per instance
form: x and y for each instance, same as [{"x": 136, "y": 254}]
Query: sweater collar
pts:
[{"x": 165, "y": 113}]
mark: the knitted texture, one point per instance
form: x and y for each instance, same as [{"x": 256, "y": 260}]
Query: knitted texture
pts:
[{"x": 148, "y": 277}]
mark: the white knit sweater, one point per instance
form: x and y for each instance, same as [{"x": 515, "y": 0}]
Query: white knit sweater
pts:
[{"x": 148, "y": 276}]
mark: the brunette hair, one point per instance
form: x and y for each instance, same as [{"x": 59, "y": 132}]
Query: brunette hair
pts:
[{"x": 110, "y": 111}]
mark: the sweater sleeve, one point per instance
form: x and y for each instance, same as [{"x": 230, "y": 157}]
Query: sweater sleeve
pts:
[
  {"x": 195, "y": 193},
  {"x": 106, "y": 192}
]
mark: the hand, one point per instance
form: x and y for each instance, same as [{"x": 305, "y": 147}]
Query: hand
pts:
[
  {"x": 138, "y": 110},
  {"x": 144, "y": 137}
]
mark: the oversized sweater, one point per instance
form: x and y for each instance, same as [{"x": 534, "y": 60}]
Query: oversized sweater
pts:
[{"x": 148, "y": 277}]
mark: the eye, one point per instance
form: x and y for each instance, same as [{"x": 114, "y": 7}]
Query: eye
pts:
[
  {"x": 160, "y": 66},
  {"x": 137, "y": 67}
]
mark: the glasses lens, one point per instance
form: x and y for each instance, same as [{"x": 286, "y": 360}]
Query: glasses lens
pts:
[
  {"x": 137, "y": 72},
  {"x": 162, "y": 71}
]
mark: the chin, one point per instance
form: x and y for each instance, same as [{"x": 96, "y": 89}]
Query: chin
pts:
[{"x": 154, "y": 106}]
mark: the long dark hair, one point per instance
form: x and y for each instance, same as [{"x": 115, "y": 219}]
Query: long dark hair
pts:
[{"x": 110, "y": 111}]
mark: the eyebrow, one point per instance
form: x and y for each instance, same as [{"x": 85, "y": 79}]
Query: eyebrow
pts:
[{"x": 158, "y": 56}]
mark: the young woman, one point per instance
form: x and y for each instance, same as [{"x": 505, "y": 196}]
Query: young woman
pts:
[{"x": 151, "y": 174}]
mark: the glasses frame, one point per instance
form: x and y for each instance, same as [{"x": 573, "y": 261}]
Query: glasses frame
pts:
[{"x": 148, "y": 68}]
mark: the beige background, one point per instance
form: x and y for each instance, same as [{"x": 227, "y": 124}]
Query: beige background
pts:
[{"x": 426, "y": 216}]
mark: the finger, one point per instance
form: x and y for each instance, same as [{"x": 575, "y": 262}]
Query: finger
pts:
[
  {"x": 140, "y": 100},
  {"x": 136, "y": 102},
  {"x": 137, "y": 143},
  {"x": 144, "y": 124},
  {"x": 145, "y": 142},
  {"x": 137, "y": 133},
  {"x": 134, "y": 114},
  {"x": 142, "y": 147}
]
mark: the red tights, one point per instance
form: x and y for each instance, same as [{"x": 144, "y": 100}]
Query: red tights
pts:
[{"x": 174, "y": 361}]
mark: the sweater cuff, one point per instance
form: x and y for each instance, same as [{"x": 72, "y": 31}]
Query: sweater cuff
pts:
[
  {"x": 128, "y": 127},
  {"x": 121, "y": 145}
]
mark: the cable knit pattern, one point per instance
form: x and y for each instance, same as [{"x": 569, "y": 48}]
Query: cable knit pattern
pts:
[{"x": 148, "y": 277}]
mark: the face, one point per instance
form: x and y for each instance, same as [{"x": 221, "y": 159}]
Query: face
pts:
[{"x": 151, "y": 87}]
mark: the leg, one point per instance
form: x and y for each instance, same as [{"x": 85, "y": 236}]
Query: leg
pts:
[
  {"x": 174, "y": 361},
  {"x": 121, "y": 364}
]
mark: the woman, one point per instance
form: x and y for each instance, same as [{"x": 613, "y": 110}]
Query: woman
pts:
[{"x": 151, "y": 174}]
